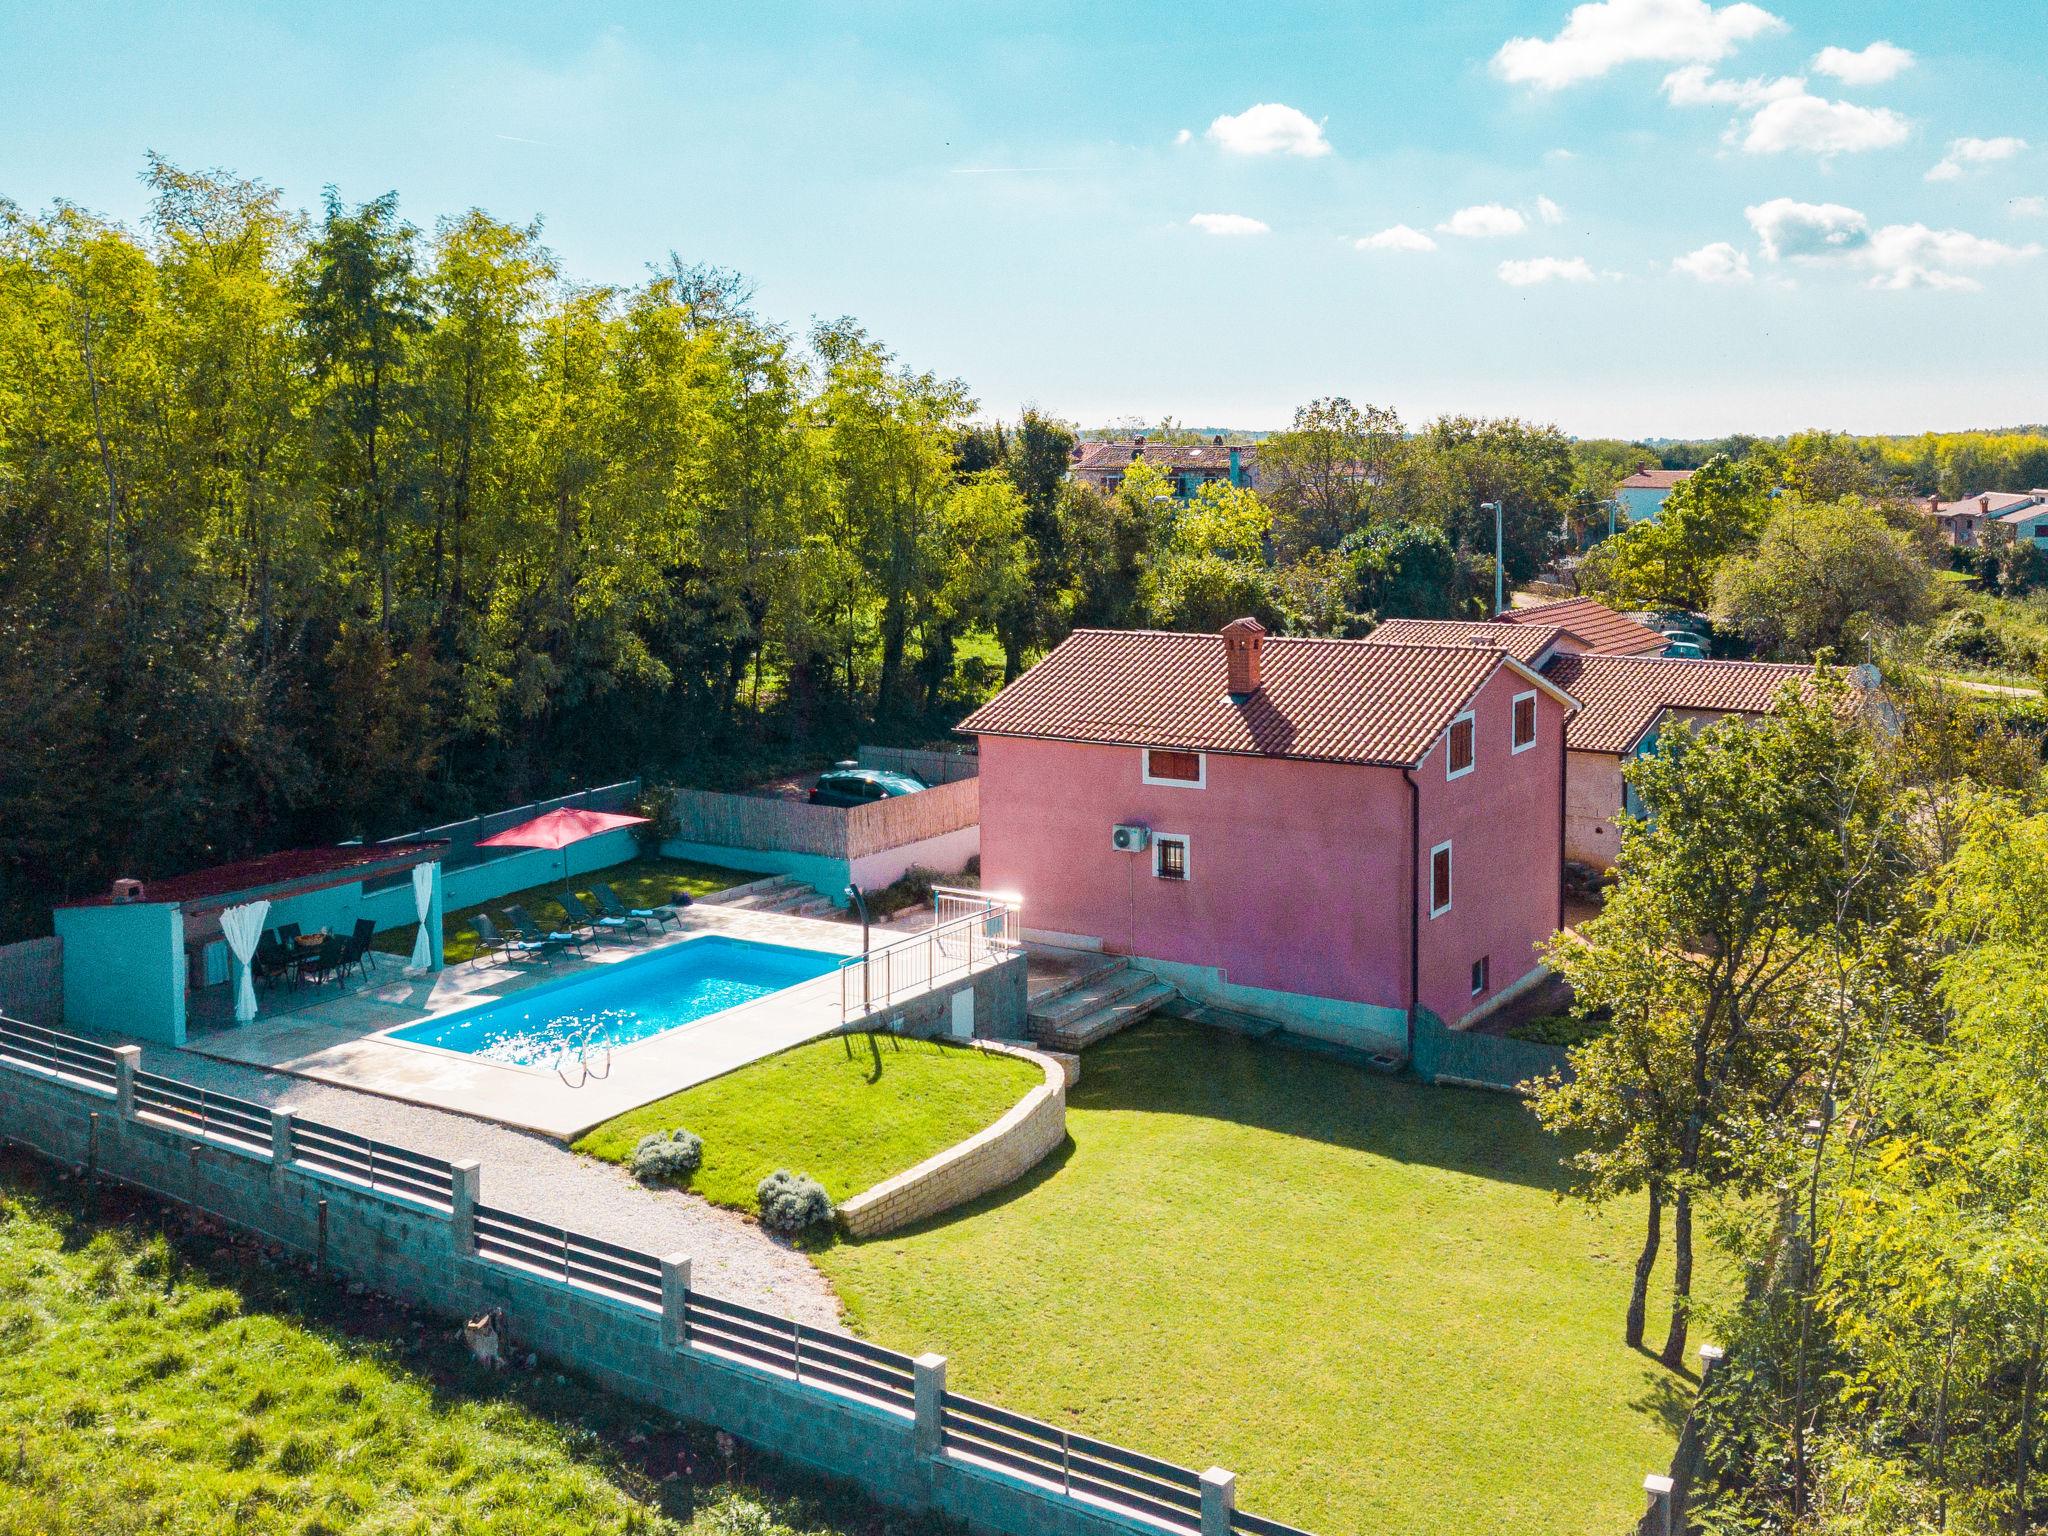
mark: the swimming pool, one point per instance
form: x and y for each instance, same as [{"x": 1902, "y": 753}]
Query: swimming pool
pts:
[{"x": 618, "y": 1004}]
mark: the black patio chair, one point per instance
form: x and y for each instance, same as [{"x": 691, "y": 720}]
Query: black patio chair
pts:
[
  {"x": 326, "y": 963},
  {"x": 356, "y": 954},
  {"x": 608, "y": 898},
  {"x": 271, "y": 960},
  {"x": 288, "y": 934},
  {"x": 555, "y": 938},
  {"x": 496, "y": 946},
  {"x": 598, "y": 923}
]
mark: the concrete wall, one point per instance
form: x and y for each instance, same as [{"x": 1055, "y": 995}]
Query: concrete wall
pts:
[
  {"x": 991, "y": 1158},
  {"x": 1592, "y": 834},
  {"x": 829, "y": 875},
  {"x": 476, "y": 883},
  {"x": 124, "y": 970},
  {"x": 32, "y": 981},
  {"x": 415, "y": 1253},
  {"x": 1504, "y": 821}
]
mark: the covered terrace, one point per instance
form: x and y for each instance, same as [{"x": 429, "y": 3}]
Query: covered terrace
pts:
[{"x": 144, "y": 958}]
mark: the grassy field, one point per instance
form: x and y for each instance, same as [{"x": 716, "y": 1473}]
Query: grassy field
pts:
[
  {"x": 1360, "y": 1294},
  {"x": 849, "y": 1110},
  {"x": 161, "y": 1379},
  {"x": 641, "y": 882}
]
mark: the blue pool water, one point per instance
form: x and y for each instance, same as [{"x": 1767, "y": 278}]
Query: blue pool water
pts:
[{"x": 617, "y": 1004}]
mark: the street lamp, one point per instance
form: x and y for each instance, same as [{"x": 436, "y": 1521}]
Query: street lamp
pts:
[{"x": 1499, "y": 594}]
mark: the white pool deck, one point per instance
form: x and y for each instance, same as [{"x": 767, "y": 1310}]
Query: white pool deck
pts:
[{"x": 346, "y": 1042}]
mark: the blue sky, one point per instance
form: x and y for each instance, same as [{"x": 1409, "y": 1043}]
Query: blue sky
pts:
[{"x": 1678, "y": 217}]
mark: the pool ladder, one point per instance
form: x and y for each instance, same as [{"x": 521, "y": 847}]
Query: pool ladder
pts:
[{"x": 582, "y": 1059}]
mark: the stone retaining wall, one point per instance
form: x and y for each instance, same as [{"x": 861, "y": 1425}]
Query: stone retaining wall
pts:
[{"x": 988, "y": 1160}]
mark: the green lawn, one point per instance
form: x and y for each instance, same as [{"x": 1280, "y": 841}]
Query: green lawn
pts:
[
  {"x": 642, "y": 882},
  {"x": 849, "y": 1110},
  {"x": 160, "y": 1381},
  {"x": 1360, "y": 1294}
]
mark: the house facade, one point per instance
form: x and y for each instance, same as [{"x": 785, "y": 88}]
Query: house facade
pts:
[
  {"x": 1962, "y": 522},
  {"x": 1332, "y": 833},
  {"x": 1641, "y": 496}
]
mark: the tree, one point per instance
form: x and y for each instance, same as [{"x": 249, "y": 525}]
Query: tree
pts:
[
  {"x": 1405, "y": 570},
  {"x": 1323, "y": 474},
  {"x": 1823, "y": 577},
  {"x": 1670, "y": 563},
  {"x": 1762, "y": 845}
]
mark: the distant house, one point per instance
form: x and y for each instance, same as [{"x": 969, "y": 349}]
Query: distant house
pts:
[
  {"x": 1187, "y": 465},
  {"x": 1591, "y": 625},
  {"x": 1961, "y": 522},
  {"x": 1333, "y": 833},
  {"x": 1641, "y": 496}
]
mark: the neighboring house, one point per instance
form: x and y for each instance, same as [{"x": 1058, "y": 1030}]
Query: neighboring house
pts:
[
  {"x": 1592, "y": 624},
  {"x": 1625, "y": 702},
  {"x": 1328, "y": 832},
  {"x": 1188, "y": 465},
  {"x": 1962, "y": 522},
  {"x": 1641, "y": 496}
]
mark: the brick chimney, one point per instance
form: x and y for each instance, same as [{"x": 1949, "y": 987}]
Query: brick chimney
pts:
[{"x": 1242, "y": 639}]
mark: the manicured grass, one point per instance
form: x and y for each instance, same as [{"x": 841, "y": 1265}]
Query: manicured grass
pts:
[
  {"x": 640, "y": 882},
  {"x": 849, "y": 1110},
  {"x": 162, "y": 1379},
  {"x": 1360, "y": 1294}
]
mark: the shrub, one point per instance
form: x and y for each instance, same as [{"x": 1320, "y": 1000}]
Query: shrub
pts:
[
  {"x": 793, "y": 1203},
  {"x": 667, "y": 1157},
  {"x": 1566, "y": 1029}
]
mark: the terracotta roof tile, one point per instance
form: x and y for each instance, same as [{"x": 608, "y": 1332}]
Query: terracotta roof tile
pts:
[
  {"x": 1524, "y": 642},
  {"x": 291, "y": 866},
  {"x": 1346, "y": 701},
  {"x": 1593, "y": 624},
  {"x": 1118, "y": 455},
  {"x": 1621, "y": 697},
  {"x": 1656, "y": 479}
]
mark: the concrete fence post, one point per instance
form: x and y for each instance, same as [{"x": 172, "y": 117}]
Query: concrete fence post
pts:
[
  {"x": 928, "y": 1391},
  {"x": 1658, "y": 1521},
  {"x": 675, "y": 1300},
  {"x": 1219, "y": 1498},
  {"x": 465, "y": 1181},
  {"x": 1710, "y": 1361},
  {"x": 280, "y": 1142},
  {"x": 127, "y": 1062}
]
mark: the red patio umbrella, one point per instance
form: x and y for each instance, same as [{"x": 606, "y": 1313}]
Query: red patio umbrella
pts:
[{"x": 559, "y": 829}]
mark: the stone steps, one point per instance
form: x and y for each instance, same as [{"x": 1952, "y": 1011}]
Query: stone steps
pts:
[{"x": 1096, "y": 1005}]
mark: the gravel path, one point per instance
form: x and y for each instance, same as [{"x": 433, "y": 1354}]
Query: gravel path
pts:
[{"x": 530, "y": 1176}]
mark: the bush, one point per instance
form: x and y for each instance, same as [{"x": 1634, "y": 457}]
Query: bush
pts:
[
  {"x": 1566, "y": 1029},
  {"x": 793, "y": 1203},
  {"x": 667, "y": 1157}
]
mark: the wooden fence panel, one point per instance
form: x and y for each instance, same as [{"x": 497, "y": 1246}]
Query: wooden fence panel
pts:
[
  {"x": 932, "y": 767},
  {"x": 758, "y": 821},
  {"x": 884, "y": 824}
]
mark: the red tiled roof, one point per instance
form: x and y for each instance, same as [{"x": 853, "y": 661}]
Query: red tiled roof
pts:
[
  {"x": 1621, "y": 697},
  {"x": 1524, "y": 642},
  {"x": 292, "y": 866},
  {"x": 2000, "y": 503},
  {"x": 1655, "y": 479},
  {"x": 1344, "y": 701},
  {"x": 1593, "y": 624},
  {"x": 1118, "y": 455}
]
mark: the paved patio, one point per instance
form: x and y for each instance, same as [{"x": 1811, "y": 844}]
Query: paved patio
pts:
[{"x": 343, "y": 1039}]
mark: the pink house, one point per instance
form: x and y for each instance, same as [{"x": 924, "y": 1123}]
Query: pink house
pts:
[{"x": 1329, "y": 832}]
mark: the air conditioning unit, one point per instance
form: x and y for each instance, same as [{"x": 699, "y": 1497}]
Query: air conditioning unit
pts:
[{"x": 1130, "y": 839}]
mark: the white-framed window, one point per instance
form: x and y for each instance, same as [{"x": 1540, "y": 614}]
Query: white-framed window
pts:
[
  {"x": 1440, "y": 879},
  {"x": 1461, "y": 749},
  {"x": 1170, "y": 856},
  {"x": 1171, "y": 765},
  {"x": 1522, "y": 714},
  {"x": 1481, "y": 974}
]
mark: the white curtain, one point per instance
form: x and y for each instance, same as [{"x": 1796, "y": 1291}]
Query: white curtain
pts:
[
  {"x": 423, "y": 901},
  {"x": 243, "y": 927}
]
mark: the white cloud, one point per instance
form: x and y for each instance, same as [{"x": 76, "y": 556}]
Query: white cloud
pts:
[
  {"x": 1694, "y": 85},
  {"x": 1396, "y": 237},
  {"x": 1483, "y": 221},
  {"x": 1184, "y": 136},
  {"x": 1270, "y": 129},
  {"x": 1896, "y": 256},
  {"x": 1604, "y": 34},
  {"x": 2029, "y": 207},
  {"x": 1559, "y": 156},
  {"x": 1963, "y": 154},
  {"x": 1230, "y": 224},
  {"x": 1820, "y": 127},
  {"x": 1545, "y": 269},
  {"x": 1716, "y": 263},
  {"x": 1863, "y": 66},
  {"x": 1785, "y": 228},
  {"x": 1548, "y": 211}
]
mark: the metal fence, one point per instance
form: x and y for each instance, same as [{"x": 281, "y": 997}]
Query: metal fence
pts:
[
  {"x": 1158, "y": 1492},
  {"x": 60, "y": 1055},
  {"x": 987, "y": 931}
]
